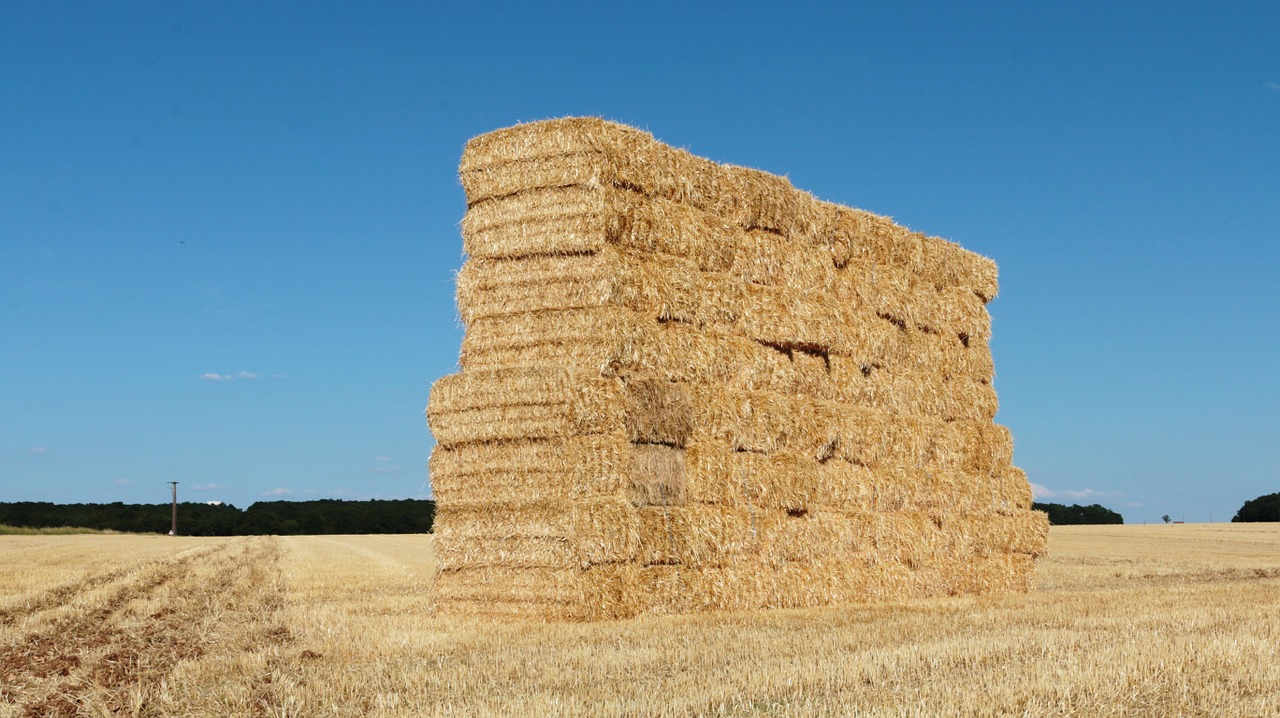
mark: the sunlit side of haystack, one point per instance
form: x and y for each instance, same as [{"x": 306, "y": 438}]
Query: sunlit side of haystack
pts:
[{"x": 689, "y": 386}]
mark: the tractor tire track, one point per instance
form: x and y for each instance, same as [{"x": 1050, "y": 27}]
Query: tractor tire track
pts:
[
  {"x": 158, "y": 615},
  {"x": 24, "y": 607}
]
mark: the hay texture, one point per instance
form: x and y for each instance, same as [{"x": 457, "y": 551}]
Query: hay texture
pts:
[{"x": 689, "y": 386}]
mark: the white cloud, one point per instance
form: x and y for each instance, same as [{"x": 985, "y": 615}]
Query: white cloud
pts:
[
  {"x": 383, "y": 465},
  {"x": 246, "y": 375},
  {"x": 214, "y": 376},
  {"x": 277, "y": 376},
  {"x": 1043, "y": 492},
  {"x": 207, "y": 487},
  {"x": 344, "y": 491},
  {"x": 278, "y": 491},
  {"x": 121, "y": 482},
  {"x": 38, "y": 450},
  {"x": 1273, "y": 85}
]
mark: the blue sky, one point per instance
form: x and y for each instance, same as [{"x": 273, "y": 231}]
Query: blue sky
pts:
[{"x": 230, "y": 229}]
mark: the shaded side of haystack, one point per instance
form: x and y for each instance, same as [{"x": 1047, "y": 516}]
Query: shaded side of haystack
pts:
[{"x": 689, "y": 386}]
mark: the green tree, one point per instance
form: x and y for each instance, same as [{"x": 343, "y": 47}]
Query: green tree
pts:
[
  {"x": 1075, "y": 514},
  {"x": 1263, "y": 508}
]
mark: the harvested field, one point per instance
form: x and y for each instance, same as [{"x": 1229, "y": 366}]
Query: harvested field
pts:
[{"x": 1125, "y": 621}]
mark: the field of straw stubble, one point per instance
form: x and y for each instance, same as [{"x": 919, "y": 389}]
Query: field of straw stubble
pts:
[{"x": 1129, "y": 620}]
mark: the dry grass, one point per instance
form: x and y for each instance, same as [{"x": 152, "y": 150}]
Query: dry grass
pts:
[{"x": 1133, "y": 620}]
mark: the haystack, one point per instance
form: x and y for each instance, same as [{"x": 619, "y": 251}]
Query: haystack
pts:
[{"x": 689, "y": 386}]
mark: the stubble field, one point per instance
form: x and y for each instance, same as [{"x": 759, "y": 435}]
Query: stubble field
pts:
[{"x": 1128, "y": 620}]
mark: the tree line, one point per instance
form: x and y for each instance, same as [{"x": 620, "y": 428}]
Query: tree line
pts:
[
  {"x": 1263, "y": 508},
  {"x": 325, "y": 516},
  {"x": 1075, "y": 514}
]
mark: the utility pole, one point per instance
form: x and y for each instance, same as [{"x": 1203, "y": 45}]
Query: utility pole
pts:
[{"x": 173, "y": 529}]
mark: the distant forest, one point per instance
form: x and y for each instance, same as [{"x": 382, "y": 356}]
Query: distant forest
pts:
[
  {"x": 327, "y": 516},
  {"x": 1076, "y": 514},
  {"x": 1263, "y": 508}
]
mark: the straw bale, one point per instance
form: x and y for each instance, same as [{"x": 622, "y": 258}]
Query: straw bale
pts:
[
  {"x": 766, "y": 421},
  {"x": 811, "y": 374},
  {"x": 788, "y": 317},
  {"x": 621, "y": 342},
  {"x": 878, "y": 240},
  {"x": 988, "y": 447},
  {"x": 961, "y": 311},
  {"x": 883, "y": 291},
  {"x": 593, "y": 152},
  {"x": 589, "y": 151},
  {"x": 872, "y": 343},
  {"x": 531, "y": 586},
  {"x": 767, "y": 201},
  {"x": 895, "y": 488},
  {"x": 580, "y": 135},
  {"x": 701, "y": 535},
  {"x": 506, "y": 551},
  {"x": 582, "y": 467},
  {"x": 967, "y": 358},
  {"x": 656, "y": 476},
  {"x": 597, "y": 531},
  {"x": 969, "y": 399},
  {"x": 1013, "y": 490},
  {"x": 674, "y": 289},
  {"x": 790, "y": 480},
  {"x": 761, "y": 367},
  {"x": 659, "y": 286},
  {"x": 947, "y": 265},
  {"x": 861, "y": 380},
  {"x": 658, "y": 412},
  {"x": 884, "y": 567},
  {"x": 691, "y": 386},
  {"x": 501, "y": 287},
  {"x": 717, "y": 474},
  {"x": 584, "y": 219},
  {"x": 545, "y": 222},
  {"x": 776, "y": 260},
  {"x": 878, "y": 439},
  {"x": 1020, "y": 532},
  {"x": 500, "y": 335},
  {"x": 523, "y": 403},
  {"x": 927, "y": 394}
]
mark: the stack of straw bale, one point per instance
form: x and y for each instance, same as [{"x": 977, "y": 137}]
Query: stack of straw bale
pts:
[{"x": 690, "y": 386}]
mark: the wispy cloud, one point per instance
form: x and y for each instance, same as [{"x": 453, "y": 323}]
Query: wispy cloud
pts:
[
  {"x": 215, "y": 376},
  {"x": 207, "y": 487},
  {"x": 344, "y": 491},
  {"x": 383, "y": 465},
  {"x": 121, "y": 482},
  {"x": 1273, "y": 85},
  {"x": 1044, "y": 492},
  {"x": 38, "y": 450},
  {"x": 278, "y": 491}
]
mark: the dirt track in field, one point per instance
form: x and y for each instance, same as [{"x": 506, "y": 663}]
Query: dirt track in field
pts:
[{"x": 97, "y": 644}]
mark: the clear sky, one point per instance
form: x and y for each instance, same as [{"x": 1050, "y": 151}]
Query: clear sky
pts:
[{"x": 228, "y": 231}]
